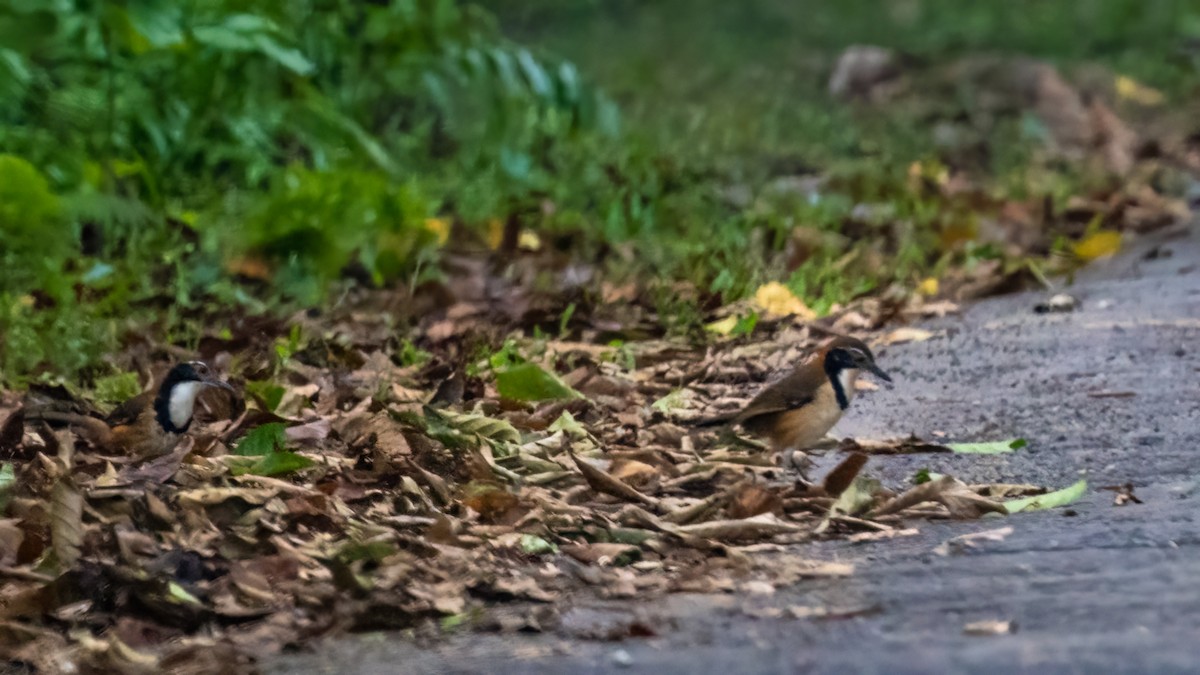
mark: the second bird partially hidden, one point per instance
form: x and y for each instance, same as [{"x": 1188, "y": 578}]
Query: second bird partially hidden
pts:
[{"x": 149, "y": 424}]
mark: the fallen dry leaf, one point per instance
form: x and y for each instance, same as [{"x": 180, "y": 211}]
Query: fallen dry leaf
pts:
[
  {"x": 1132, "y": 90},
  {"x": 66, "y": 520},
  {"x": 762, "y": 526},
  {"x": 966, "y": 542},
  {"x": 750, "y": 499},
  {"x": 990, "y": 628},
  {"x": 960, "y": 500},
  {"x": 863, "y": 537},
  {"x": 776, "y": 299},
  {"x": 602, "y": 481},
  {"x": 1102, "y": 244},
  {"x": 843, "y": 475},
  {"x": 907, "y": 334},
  {"x": 890, "y": 446}
]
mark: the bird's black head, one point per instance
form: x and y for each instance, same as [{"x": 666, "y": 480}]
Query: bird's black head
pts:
[
  {"x": 845, "y": 353},
  {"x": 191, "y": 371},
  {"x": 176, "y": 397}
]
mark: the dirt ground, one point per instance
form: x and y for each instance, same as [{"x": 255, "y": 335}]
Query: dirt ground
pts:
[{"x": 1110, "y": 391}]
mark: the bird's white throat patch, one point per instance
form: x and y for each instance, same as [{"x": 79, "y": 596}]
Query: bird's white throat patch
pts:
[
  {"x": 183, "y": 402},
  {"x": 847, "y": 378}
]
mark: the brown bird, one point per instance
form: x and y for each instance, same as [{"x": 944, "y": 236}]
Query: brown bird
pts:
[
  {"x": 149, "y": 424},
  {"x": 796, "y": 411}
]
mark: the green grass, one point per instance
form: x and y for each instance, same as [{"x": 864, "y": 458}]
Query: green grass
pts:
[
  {"x": 255, "y": 157},
  {"x": 735, "y": 94},
  {"x": 743, "y": 84}
]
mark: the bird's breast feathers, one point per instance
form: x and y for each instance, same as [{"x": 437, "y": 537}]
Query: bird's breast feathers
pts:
[{"x": 804, "y": 426}]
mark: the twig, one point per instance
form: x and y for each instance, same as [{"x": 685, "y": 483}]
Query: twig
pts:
[
  {"x": 282, "y": 485},
  {"x": 24, "y": 575}
]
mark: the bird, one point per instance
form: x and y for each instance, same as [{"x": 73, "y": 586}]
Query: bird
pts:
[
  {"x": 796, "y": 411},
  {"x": 149, "y": 424}
]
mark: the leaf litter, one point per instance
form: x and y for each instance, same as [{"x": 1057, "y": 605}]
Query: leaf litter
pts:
[{"x": 356, "y": 490}]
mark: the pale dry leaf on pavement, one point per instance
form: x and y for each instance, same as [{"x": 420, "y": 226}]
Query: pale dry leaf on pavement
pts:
[
  {"x": 906, "y": 334},
  {"x": 966, "y": 542},
  {"x": 990, "y": 627}
]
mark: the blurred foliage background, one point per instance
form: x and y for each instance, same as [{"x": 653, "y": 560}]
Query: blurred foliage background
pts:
[{"x": 163, "y": 163}]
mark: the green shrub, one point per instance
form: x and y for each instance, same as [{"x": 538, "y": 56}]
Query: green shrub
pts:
[{"x": 155, "y": 143}]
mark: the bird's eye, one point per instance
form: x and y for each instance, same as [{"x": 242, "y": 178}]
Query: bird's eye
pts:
[{"x": 200, "y": 368}]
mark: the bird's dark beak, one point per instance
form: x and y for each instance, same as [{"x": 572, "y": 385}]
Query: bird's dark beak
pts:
[
  {"x": 213, "y": 381},
  {"x": 878, "y": 372}
]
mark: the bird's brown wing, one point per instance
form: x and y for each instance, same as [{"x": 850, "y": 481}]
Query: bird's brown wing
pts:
[
  {"x": 127, "y": 413},
  {"x": 796, "y": 389}
]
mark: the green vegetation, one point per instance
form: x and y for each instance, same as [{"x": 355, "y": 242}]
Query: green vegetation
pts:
[
  {"x": 165, "y": 163},
  {"x": 155, "y": 146}
]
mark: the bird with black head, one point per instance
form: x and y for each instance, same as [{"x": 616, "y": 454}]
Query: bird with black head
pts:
[
  {"x": 149, "y": 424},
  {"x": 796, "y": 411}
]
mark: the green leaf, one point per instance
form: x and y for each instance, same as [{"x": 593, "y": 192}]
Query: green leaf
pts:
[
  {"x": 263, "y": 440},
  {"x": 454, "y": 621},
  {"x": 509, "y": 354},
  {"x": 565, "y": 320},
  {"x": 117, "y": 388},
  {"x": 252, "y": 33},
  {"x": 567, "y": 424},
  {"x": 14, "y": 73},
  {"x": 270, "y": 393},
  {"x": 373, "y": 551},
  {"x": 1050, "y": 500},
  {"x": 8, "y": 480},
  {"x": 276, "y": 463},
  {"x": 857, "y": 498},
  {"x": 179, "y": 594},
  {"x": 529, "y": 382},
  {"x": 989, "y": 448},
  {"x": 535, "y": 545},
  {"x": 158, "y": 22},
  {"x": 676, "y": 400},
  {"x": 287, "y": 57},
  {"x": 534, "y": 74},
  {"x": 745, "y": 325}
]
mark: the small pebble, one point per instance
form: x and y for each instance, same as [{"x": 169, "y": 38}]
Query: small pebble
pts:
[
  {"x": 622, "y": 658},
  {"x": 1060, "y": 302}
]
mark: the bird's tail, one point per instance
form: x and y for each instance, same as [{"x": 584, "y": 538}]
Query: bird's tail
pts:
[
  {"x": 90, "y": 429},
  {"x": 716, "y": 420}
]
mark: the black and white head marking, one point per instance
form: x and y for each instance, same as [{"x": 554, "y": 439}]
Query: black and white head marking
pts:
[
  {"x": 842, "y": 363},
  {"x": 176, "y": 399}
]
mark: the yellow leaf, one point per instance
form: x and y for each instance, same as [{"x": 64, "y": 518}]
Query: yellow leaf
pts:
[
  {"x": 928, "y": 287},
  {"x": 529, "y": 241},
  {"x": 1132, "y": 90},
  {"x": 907, "y": 334},
  {"x": 724, "y": 326},
  {"x": 440, "y": 227},
  {"x": 495, "y": 233},
  {"x": 1098, "y": 245},
  {"x": 775, "y": 298}
]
